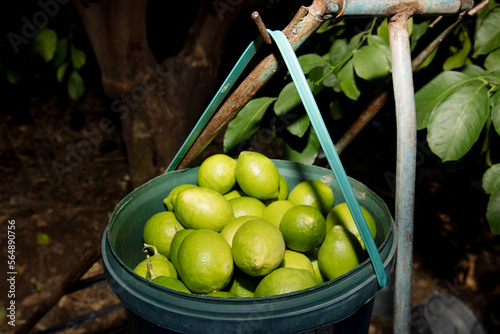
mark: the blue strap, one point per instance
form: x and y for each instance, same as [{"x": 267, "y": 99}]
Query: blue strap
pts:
[
  {"x": 245, "y": 58},
  {"x": 319, "y": 126}
]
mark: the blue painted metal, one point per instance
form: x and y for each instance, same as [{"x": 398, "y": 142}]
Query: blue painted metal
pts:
[
  {"x": 391, "y": 7},
  {"x": 406, "y": 122}
]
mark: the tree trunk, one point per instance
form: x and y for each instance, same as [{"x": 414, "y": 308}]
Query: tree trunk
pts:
[{"x": 158, "y": 103}]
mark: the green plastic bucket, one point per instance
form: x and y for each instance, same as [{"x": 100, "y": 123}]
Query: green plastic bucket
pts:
[{"x": 342, "y": 305}]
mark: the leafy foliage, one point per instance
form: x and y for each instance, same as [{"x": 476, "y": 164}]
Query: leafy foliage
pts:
[{"x": 455, "y": 107}]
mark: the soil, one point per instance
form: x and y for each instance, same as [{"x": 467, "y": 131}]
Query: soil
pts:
[{"x": 63, "y": 172}]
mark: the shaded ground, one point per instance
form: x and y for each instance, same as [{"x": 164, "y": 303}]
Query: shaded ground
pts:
[{"x": 454, "y": 250}]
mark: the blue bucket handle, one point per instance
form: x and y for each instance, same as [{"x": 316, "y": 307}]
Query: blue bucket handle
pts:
[{"x": 317, "y": 122}]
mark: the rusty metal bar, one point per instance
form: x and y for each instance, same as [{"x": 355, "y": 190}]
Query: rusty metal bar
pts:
[
  {"x": 406, "y": 121},
  {"x": 303, "y": 25}
]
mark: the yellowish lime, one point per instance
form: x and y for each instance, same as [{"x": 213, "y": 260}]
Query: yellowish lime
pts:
[
  {"x": 242, "y": 284},
  {"x": 275, "y": 211},
  {"x": 341, "y": 215},
  {"x": 314, "y": 193},
  {"x": 284, "y": 280},
  {"x": 230, "y": 229},
  {"x": 283, "y": 192},
  {"x": 293, "y": 259},
  {"x": 155, "y": 265},
  {"x": 171, "y": 283},
  {"x": 176, "y": 242},
  {"x": 222, "y": 294},
  {"x": 320, "y": 278},
  {"x": 247, "y": 206},
  {"x": 200, "y": 208},
  {"x": 258, "y": 247},
  {"x": 168, "y": 200},
  {"x": 160, "y": 229},
  {"x": 339, "y": 253},
  {"x": 234, "y": 193},
  {"x": 257, "y": 175},
  {"x": 205, "y": 262},
  {"x": 217, "y": 172},
  {"x": 303, "y": 228}
]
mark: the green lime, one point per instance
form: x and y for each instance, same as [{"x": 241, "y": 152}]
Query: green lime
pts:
[
  {"x": 155, "y": 265},
  {"x": 173, "y": 193},
  {"x": 314, "y": 193},
  {"x": 160, "y": 229},
  {"x": 275, "y": 211},
  {"x": 283, "y": 192},
  {"x": 242, "y": 284},
  {"x": 204, "y": 261},
  {"x": 303, "y": 228},
  {"x": 284, "y": 280},
  {"x": 341, "y": 215},
  {"x": 258, "y": 247},
  {"x": 293, "y": 259},
  {"x": 247, "y": 206},
  {"x": 339, "y": 253},
  {"x": 203, "y": 208},
  {"x": 222, "y": 294},
  {"x": 257, "y": 175},
  {"x": 234, "y": 193},
  {"x": 217, "y": 172},
  {"x": 176, "y": 242},
  {"x": 230, "y": 229},
  {"x": 171, "y": 283}
]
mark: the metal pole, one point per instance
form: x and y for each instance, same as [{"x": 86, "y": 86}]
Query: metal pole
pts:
[{"x": 406, "y": 122}]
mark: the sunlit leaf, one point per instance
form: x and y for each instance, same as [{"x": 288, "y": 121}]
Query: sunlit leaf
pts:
[
  {"x": 435, "y": 91},
  {"x": 457, "y": 121},
  {"x": 383, "y": 31},
  {"x": 370, "y": 63},
  {"x": 304, "y": 150},
  {"x": 310, "y": 61},
  {"x": 45, "y": 44},
  {"x": 487, "y": 36},
  {"x": 348, "y": 81},
  {"x": 246, "y": 123},
  {"x": 492, "y": 61},
  {"x": 491, "y": 179}
]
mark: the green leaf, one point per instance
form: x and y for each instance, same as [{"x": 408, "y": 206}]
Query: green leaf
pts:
[
  {"x": 77, "y": 57},
  {"x": 61, "y": 52},
  {"x": 45, "y": 44},
  {"x": 487, "y": 36},
  {"x": 310, "y": 61},
  {"x": 457, "y": 121},
  {"x": 370, "y": 63},
  {"x": 492, "y": 61},
  {"x": 42, "y": 239},
  {"x": 459, "y": 59},
  {"x": 419, "y": 29},
  {"x": 377, "y": 41},
  {"x": 336, "y": 110},
  {"x": 383, "y": 31},
  {"x": 495, "y": 111},
  {"x": 300, "y": 151},
  {"x": 246, "y": 123},
  {"x": 491, "y": 179},
  {"x": 61, "y": 71},
  {"x": 290, "y": 111},
  {"x": 493, "y": 213},
  {"x": 348, "y": 82},
  {"x": 338, "y": 51},
  {"x": 435, "y": 91},
  {"x": 76, "y": 86}
]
